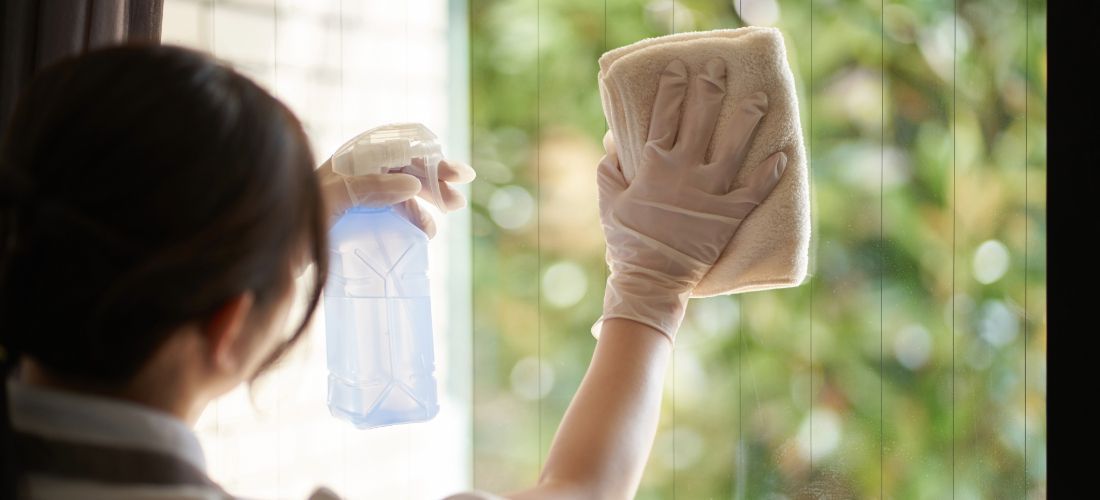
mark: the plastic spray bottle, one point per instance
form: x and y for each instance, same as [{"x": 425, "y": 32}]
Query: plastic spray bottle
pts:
[{"x": 377, "y": 302}]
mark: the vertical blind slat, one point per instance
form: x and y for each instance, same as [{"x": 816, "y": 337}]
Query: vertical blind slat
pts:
[
  {"x": 145, "y": 20},
  {"x": 106, "y": 23},
  {"x": 61, "y": 29},
  {"x": 35, "y": 33},
  {"x": 17, "y": 58}
]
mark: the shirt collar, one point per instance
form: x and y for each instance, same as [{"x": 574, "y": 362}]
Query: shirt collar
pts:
[{"x": 99, "y": 420}]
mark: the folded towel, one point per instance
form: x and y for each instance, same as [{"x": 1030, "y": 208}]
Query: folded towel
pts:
[{"x": 771, "y": 249}]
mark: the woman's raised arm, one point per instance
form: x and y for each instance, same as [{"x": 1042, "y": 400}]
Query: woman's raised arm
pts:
[{"x": 664, "y": 231}]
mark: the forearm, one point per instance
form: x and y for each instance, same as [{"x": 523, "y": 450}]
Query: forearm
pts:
[
  {"x": 665, "y": 229},
  {"x": 604, "y": 440}
]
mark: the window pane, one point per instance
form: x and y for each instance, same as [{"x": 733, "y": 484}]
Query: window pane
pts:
[
  {"x": 898, "y": 368},
  {"x": 343, "y": 67}
]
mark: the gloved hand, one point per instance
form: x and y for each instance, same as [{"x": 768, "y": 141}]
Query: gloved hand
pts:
[
  {"x": 399, "y": 188},
  {"x": 668, "y": 226}
]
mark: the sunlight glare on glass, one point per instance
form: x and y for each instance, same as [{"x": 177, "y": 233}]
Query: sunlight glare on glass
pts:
[
  {"x": 564, "y": 284},
  {"x": 990, "y": 262},
  {"x": 826, "y": 434},
  {"x": 913, "y": 346},
  {"x": 660, "y": 14},
  {"x": 680, "y": 448},
  {"x": 998, "y": 324},
  {"x": 526, "y": 378},
  {"x": 757, "y": 12},
  {"x": 715, "y": 316},
  {"x": 511, "y": 207}
]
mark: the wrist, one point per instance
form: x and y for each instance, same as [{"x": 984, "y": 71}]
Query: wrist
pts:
[{"x": 650, "y": 299}]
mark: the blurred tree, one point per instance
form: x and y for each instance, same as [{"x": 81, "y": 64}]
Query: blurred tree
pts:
[{"x": 898, "y": 369}]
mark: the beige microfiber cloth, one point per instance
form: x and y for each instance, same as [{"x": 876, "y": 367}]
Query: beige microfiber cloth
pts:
[{"x": 771, "y": 248}]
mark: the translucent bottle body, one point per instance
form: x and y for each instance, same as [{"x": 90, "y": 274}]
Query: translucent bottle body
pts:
[{"x": 378, "y": 321}]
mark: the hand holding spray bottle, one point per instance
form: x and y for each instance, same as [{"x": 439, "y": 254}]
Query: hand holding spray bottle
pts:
[{"x": 377, "y": 302}]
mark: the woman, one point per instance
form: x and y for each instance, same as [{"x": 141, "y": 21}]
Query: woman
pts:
[{"x": 156, "y": 207}]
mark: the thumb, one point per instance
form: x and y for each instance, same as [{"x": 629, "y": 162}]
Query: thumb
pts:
[
  {"x": 609, "y": 142},
  {"x": 609, "y": 176},
  {"x": 756, "y": 188},
  {"x": 763, "y": 181}
]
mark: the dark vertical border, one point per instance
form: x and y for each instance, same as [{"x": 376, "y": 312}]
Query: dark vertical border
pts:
[
  {"x": 17, "y": 20},
  {"x": 1072, "y": 195}
]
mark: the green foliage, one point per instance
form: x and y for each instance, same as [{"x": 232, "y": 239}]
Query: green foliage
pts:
[{"x": 902, "y": 358}]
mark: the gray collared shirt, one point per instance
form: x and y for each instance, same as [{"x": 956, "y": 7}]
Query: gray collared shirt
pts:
[{"x": 88, "y": 447}]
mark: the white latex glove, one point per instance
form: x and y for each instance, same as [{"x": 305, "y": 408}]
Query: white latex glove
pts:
[
  {"x": 399, "y": 188},
  {"x": 671, "y": 223}
]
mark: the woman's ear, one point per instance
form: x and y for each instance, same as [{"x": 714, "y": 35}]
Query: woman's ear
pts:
[{"x": 224, "y": 330}]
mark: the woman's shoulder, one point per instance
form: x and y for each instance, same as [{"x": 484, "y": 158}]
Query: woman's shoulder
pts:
[
  {"x": 474, "y": 495},
  {"x": 323, "y": 493}
]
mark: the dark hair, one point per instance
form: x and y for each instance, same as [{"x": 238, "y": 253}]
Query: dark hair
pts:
[{"x": 141, "y": 187}]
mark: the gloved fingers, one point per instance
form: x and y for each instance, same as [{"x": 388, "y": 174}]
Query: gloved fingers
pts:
[
  {"x": 736, "y": 204},
  {"x": 731, "y": 147},
  {"x": 452, "y": 198},
  {"x": 701, "y": 207},
  {"x": 452, "y": 171},
  {"x": 701, "y": 112},
  {"x": 341, "y": 193},
  {"x": 665, "y": 120},
  {"x": 379, "y": 190},
  {"x": 714, "y": 178},
  {"x": 759, "y": 184},
  {"x": 609, "y": 175},
  {"x": 410, "y": 210},
  {"x": 449, "y": 172}
]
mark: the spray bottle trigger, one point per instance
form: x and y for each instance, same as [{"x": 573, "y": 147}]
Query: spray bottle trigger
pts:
[{"x": 433, "y": 180}]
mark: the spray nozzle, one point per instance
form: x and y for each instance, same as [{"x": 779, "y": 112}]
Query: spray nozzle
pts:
[{"x": 392, "y": 146}]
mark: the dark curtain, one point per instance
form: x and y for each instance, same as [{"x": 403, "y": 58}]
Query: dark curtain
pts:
[{"x": 34, "y": 33}]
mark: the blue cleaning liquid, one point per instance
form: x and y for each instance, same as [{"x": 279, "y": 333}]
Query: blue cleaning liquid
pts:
[{"x": 378, "y": 321}]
